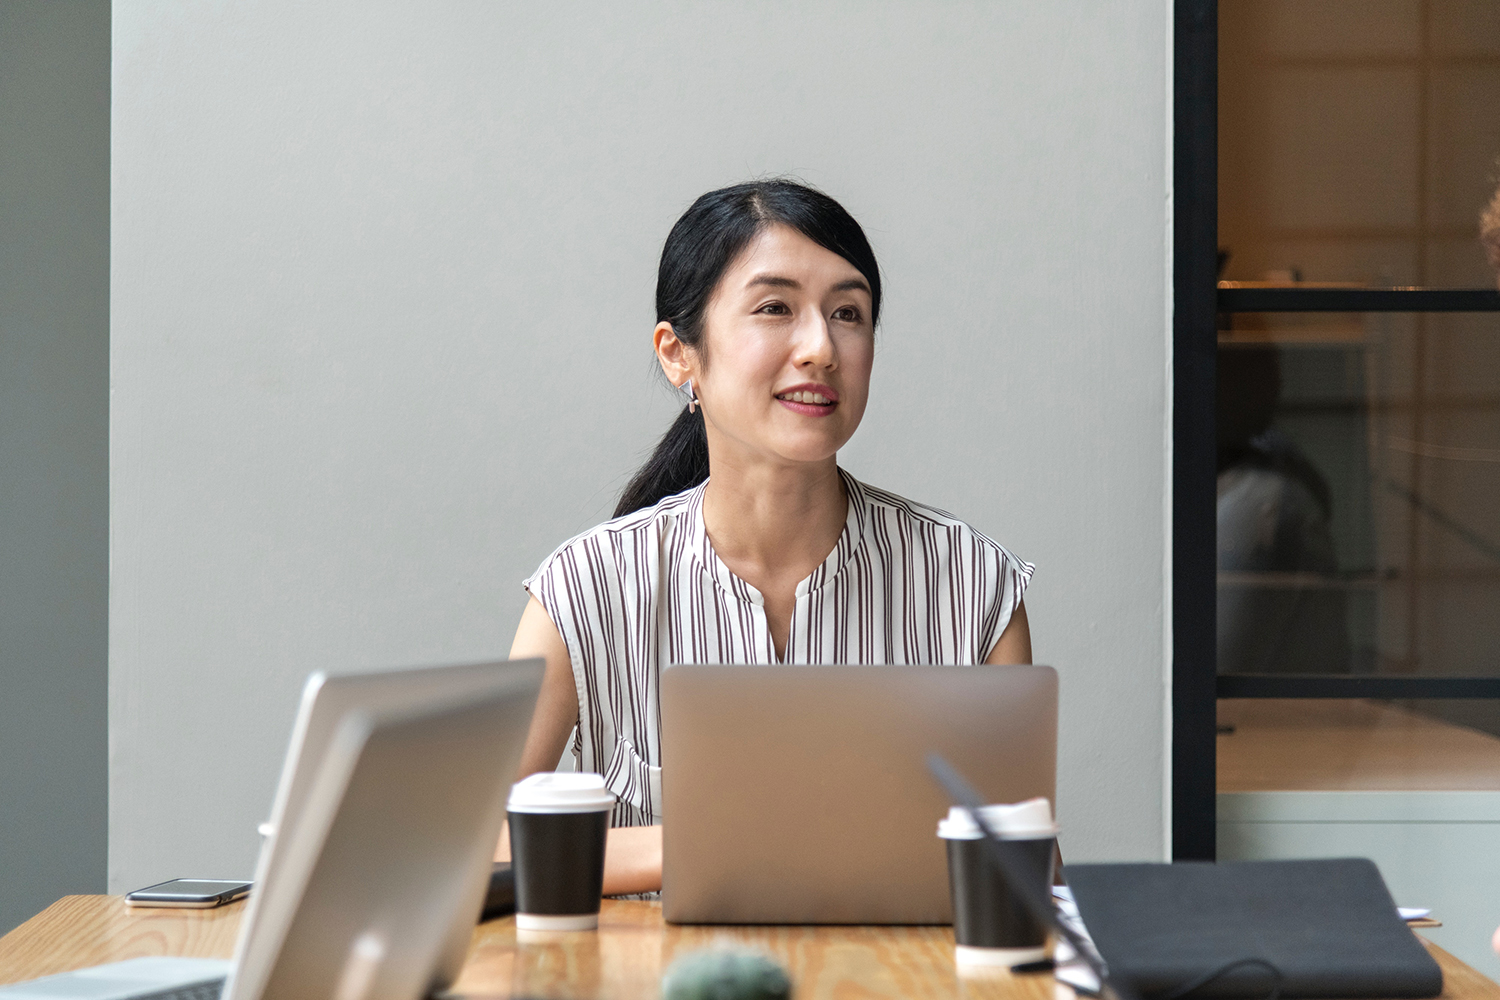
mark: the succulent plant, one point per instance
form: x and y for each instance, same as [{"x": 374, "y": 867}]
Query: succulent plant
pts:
[{"x": 725, "y": 974}]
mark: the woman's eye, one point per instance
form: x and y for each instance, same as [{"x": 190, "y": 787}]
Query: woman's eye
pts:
[
  {"x": 774, "y": 309},
  {"x": 848, "y": 314}
]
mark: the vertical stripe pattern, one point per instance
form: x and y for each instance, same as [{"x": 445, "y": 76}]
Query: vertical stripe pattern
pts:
[{"x": 906, "y": 584}]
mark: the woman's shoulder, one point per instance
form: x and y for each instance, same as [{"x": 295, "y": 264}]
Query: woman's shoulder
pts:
[
  {"x": 623, "y": 532},
  {"x": 893, "y": 511}
]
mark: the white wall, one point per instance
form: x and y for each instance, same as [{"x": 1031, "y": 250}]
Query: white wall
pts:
[
  {"x": 54, "y": 460},
  {"x": 382, "y": 285}
]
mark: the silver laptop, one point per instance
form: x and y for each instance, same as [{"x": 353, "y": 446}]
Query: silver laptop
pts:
[
  {"x": 801, "y": 795},
  {"x": 379, "y": 846}
]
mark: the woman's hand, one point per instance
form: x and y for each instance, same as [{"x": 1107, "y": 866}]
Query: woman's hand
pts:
[{"x": 632, "y": 860}]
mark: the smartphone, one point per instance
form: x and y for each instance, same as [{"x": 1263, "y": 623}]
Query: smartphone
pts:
[{"x": 193, "y": 893}]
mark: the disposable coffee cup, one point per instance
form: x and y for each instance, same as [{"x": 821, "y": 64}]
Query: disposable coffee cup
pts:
[
  {"x": 558, "y": 822},
  {"x": 991, "y": 926}
]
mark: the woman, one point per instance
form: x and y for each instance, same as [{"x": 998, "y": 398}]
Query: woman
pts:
[{"x": 741, "y": 541}]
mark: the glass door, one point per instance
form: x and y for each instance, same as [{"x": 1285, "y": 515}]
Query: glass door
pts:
[{"x": 1337, "y": 466}]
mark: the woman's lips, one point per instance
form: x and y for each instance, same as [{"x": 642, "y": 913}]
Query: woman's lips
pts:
[
  {"x": 809, "y": 409},
  {"x": 808, "y": 396},
  {"x": 810, "y": 399}
]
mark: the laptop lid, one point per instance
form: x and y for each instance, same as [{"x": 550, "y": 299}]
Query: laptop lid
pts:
[
  {"x": 800, "y": 794},
  {"x": 384, "y": 825}
]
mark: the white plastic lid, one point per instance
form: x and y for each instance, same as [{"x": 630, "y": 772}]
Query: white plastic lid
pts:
[
  {"x": 560, "y": 792},
  {"x": 1021, "y": 821}
]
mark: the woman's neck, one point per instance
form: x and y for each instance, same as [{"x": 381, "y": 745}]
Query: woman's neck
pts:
[{"x": 771, "y": 524}]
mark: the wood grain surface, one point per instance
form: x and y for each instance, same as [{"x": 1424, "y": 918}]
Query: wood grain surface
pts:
[
  {"x": 623, "y": 960},
  {"x": 633, "y": 946},
  {"x": 78, "y": 931}
]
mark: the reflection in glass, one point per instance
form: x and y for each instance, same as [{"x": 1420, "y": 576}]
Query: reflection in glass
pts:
[
  {"x": 1359, "y": 455},
  {"x": 1280, "y": 606}
]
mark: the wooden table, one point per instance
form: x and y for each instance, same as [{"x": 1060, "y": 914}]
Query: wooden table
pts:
[{"x": 623, "y": 960}]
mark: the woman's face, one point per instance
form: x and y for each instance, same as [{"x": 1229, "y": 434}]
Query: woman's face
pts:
[{"x": 789, "y": 342}]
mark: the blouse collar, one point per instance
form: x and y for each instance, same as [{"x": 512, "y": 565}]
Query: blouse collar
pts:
[{"x": 851, "y": 538}]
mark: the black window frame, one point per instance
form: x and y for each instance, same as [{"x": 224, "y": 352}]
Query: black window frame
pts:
[{"x": 1197, "y": 302}]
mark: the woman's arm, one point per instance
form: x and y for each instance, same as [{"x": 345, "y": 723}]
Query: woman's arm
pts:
[
  {"x": 632, "y": 860},
  {"x": 632, "y": 855},
  {"x": 1014, "y": 645},
  {"x": 557, "y": 705}
]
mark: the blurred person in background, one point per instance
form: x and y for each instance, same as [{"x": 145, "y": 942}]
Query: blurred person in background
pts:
[
  {"x": 1277, "y": 612},
  {"x": 1489, "y": 232},
  {"x": 1489, "y": 235}
]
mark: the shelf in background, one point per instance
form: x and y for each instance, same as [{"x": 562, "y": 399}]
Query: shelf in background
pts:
[
  {"x": 1305, "y": 297},
  {"x": 1290, "y": 744}
]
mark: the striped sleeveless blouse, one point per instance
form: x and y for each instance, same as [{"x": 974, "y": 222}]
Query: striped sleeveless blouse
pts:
[{"x": 906, "y": 584}]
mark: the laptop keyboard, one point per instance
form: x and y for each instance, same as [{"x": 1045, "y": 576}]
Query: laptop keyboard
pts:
[{"x": 196, "y": 991}]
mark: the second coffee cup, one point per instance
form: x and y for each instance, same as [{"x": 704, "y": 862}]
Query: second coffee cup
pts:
[
  {"x": 991, "y": 926},
  {"x": 558, "y": 825}
]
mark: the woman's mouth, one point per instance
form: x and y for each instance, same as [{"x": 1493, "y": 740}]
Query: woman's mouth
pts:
[
  {"x": 806, "y": 397},
  {"x": 812, "y": 401}
]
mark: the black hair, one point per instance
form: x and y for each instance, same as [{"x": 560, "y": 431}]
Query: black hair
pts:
[{"x": 699, "y": 249}]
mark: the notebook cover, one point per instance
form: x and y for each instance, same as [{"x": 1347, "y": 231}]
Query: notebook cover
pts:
[
  {"x": 500, "y": 898},
  {"x": 1329, "y": 925}
]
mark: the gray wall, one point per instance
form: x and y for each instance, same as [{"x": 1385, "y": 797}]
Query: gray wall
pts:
[
  {"x": 382, "y": 283},
  {"x": 54, "y": 450}
]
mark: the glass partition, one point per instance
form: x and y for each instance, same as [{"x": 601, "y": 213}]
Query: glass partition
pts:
[
  {"x": 1358, "y": 452},
  {"x": 1359, "y": 464},
  {"x": 1357, "y": 448}
]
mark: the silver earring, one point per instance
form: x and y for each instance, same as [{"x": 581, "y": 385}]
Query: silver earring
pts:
[{"x": 687, "y": 387}]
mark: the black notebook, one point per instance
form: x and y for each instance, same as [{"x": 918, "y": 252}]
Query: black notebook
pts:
[
  {"x": 1329, "y": 927},
  {"x": 500, "y": 897}
]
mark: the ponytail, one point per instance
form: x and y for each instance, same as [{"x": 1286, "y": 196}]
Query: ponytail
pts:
[
  {"x": 699, "y": 249},
  {"x": 679, "y": 463}
]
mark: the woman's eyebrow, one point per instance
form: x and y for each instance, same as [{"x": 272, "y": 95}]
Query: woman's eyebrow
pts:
[
  {"x": 774, "y": 280},
  {"x": 777, "y": 281}
]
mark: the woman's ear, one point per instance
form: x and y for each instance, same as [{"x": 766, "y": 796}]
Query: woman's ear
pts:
[{"x": 674, "y": 355}]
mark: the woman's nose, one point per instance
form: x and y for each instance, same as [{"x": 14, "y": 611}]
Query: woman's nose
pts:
[{"x": 814, "y": 344}]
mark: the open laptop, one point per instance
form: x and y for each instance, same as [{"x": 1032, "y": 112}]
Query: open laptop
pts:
[
  {"x": 801, "y": 795},
  {"x": 379, "y": 847},
  {"x": 326, "y": 701}
]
